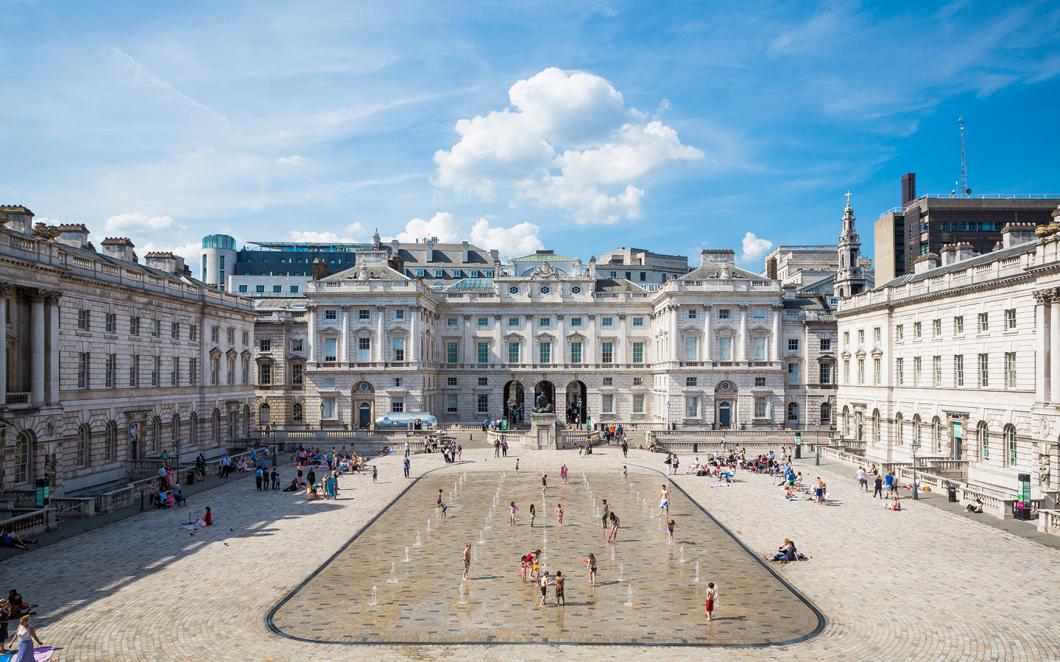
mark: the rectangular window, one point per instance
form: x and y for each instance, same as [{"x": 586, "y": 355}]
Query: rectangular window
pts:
[
  {"x": 327, "y": 408},
  {"x": 397, "y": 406},
  {"x": 265, "y": 344},
  {"x": 1010, "y": 369},
  {"x": 134, "y": 326},
  {"x": 545, "y": 352},
  {"x": 483, "y": 403},
  {"x": 213, "y": 334},
  {"x": 917, "y": 330},
  {"x": 691, "y": 381},
  {"x": 451, "y": 400},
  {"x": 514, "y": 349},
  {"x": 174, "y": 330},
  {"x": 638, "y": 321},
  {"x": 83, "y": 363},
  {"x": 575, "y": 352},
  {"x": 958, "y": 325},
  {"x": 399, "y": 382},
  {"x": 760, "y": 406},
  {"x": 259, "y": 289},
  {"x": 231, "y": 336},
  {"x": 399, "y": 314},
  {"x": 450, "y": 351},
  {"x": 607, "y": 322},
  {"x": 691, "y": 348},
  {"x": 398, "y": 348},
  {"x": 513, "y": 322},
  {"x": 876, "y": 335},
  {"x": 825, "y": 373},
  {"x": 156, "y": 369},
  {"x": 861, "y": 336},
  {"x": 846, "y": 338},
  {"x": 1010, "y": 318},
  {"x": 364, "y": 314},
  {"x": 984, "y": 322},
  {"x": 793, "y": 344},
  {"x": 84, "y": 317},
  {"x": 846, "y": 371},
  {"x": 483, "y": 352},
  {"x": 692, "y": 406},
  {"x": 638, "y": 352},
  {"x": 793, "y": 374},
  {"x": 193, "y": 333},
  {"x": 575, "y": 321},
  {"x": 693, "y": 313},
  {"x": 134, "y": 370},
  {"x": 296, "y": 345},
  {"x": 936, "y": 371},
  {"x": 899, "y": 332},
  {"x": 607, "y": 403},
  {"x": 483, "y": 322},
  {"x": 760, "y": 381},
  {"x": 899, "y": 371},
  {"x": 265, "y": 373},
  {"x": 193, "y": 371},
  {"x": 936, "y": 328},
  {"x": 111, "y": 323},
  {"x": 451, "y": 322},
  {"x": 156, "y": 328},
  {"x": 638, "y": 381},
  {"x": 276, "y": 289},
  {"x": 916, "y": 370},
  {"x": 1012, "y": 456},
  {"x": 439, "y": 273},
  {"x": 724, "y": 314},
  {"x": 861, "y": 371},
  {"x": 638, "y": 403},
  {"x": 364, "y": 350},
  {"x": 294, "y": 289},
  {"x": 984, "y": 370},
  {"x": 725, "y": 349},
  {"x": 329, "y": 314},
  {"x": 758, "y": 348},
  {"x": 607, "y": 352},
  {"x": 958, "y": 370},
  {"x": 111, "y": 370},
  {"x": 296, "y": 374}
]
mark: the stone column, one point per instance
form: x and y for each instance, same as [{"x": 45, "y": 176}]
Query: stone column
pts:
[
  {"x": 498, "y": 339},
  {"x": 741, "y": 339},
  {"x": 705, "y": 350},
  {"x": 53, "y": 346},
  {"x": 37, "y": 335},
  {"x": 777, "y": 349},
  {"x": 589, "y": 351},
  {"x": 414, "y": 329},
  {"x": 675, "y": 350},
  {"x": 344, "y": 337},
  {"x": 467, "y": 334},
  {"x": 1054, "y": 349},
  {"x": 380, "y": 338},
  {"x": 312, "y": 335},
  {"x": 1041, "y": 361},
  {"x": 621, "y": 341},
  {"x": 4, "y": 292},
  {"x": 559, "y": 354}
]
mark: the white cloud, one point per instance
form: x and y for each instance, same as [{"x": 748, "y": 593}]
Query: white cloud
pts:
[
  {"x": 567, "y": 141},
  {"x": 754, "y": 247},
  {"x": 135, "y": 222},
  {"x": 353, "y": 233},
  {"x": 442, "y": 225},
  {"x": 518, "y": 239},
  {"x": 142, "y": 75},
  {"x": 294, "y": 160},
  {"x": 190, "y": 251}
]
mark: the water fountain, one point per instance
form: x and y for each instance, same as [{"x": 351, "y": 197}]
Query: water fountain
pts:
[
  {"x": 612, "y": 552},
  {"x": 406, "y": 559},
  {"x": 462, "y": 601},
  {"x": 482, "y": 536},
  {"x": 682, "y": 550},
  {"x": 428, "y": 526},
  {"x": 393, "y": 574},
  {"x": 375, "y": 597},
  {"x": 629, "y": 595},
  {"x": 474, "y": 553},
  {"x": 418, "y": 542},
  {"x": 620, "y": 568},
  {"x": 697, "y": 572},
  {"x": 487, "y": 522}
]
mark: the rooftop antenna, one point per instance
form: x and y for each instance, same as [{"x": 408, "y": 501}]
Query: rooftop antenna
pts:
[{"x": 964, "y": 166}]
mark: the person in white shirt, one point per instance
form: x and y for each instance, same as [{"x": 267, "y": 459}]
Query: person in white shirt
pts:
[{"x": 863, "y": 479}]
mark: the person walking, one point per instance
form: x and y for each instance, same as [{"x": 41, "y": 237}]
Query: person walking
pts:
[
  {"x": 563, "y": 475},
  {"x": 513, "y": 510},
  {"x": 891, "y": 482},
  {"x": 604, "y": 512},
  {"x": 544, "y": 483},
  {"x": 560, "y": 598},
  {"x": 877, "y": 486},
  {"x": 670, "y": 525},
  {"x": 25, "y": 635},
  {"x": 543, "y": 583},
  {"x": 863, "y": 479},
  {"x": 590, "y": 563},
  {"x": 664, "y": 501},
  {"x": 533, "y": 514},
  {"x": 438, "y": 500},
  {"x": 406, "y": 465},
  {"x": 408, "y": 448},
  {"x": 516, "y": 462},
  {"x": 258, "y": 477},
  {"x": 625, "y": 447},
  {"x": 612, "y": 535},
  {"x": 274, "y": 477},
  {"x": 467, "y": 560},
  {"x": 559, "y": 513},
  {"x": 712, "y": 599},
  {"x": 375, "y": 473}
]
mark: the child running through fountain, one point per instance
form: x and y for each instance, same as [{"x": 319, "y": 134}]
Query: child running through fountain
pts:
[
  {"x": 664, "y": 501},
  {"x": 543, "y": 583},
  {"x": 712, "y": 598},
  {"x": 544, "y": 483},
  {"x": 513, "y": 510},
  {"x": 533, "y": 514},
  {"x": 467, "y": 560},
  {"x": 670, "y": 525},
  {"x": 438, "y": 501},
  {"x": 560, "y": 599},
  {"x": 559, "y": 513},
  {"x": 612, "y": 535},
  {"x": 590, "y": 563},
  {"x": 563, "y": 477}
]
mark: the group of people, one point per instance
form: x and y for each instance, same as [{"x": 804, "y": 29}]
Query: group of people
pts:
[
  {"x": 450, "y": 450},
  {"x": 14, "y": 609},
  {"x": 879, "y": 482}
]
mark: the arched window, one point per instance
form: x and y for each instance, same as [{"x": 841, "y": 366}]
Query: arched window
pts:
[
  {"x": 84, "y": 444},
  {"x": 916, "y": 432},
  {"x": 1011, "y": 455},
  {"x": 216, "y": 425},
  {"x": 859, "y": 426},
  {"x": 793, "y": 412},
  {"x": 193, "y": 430},
  {"x": 296, "y": 412},
  {"x": 936, "y": 434},
  {"x": 826, "y": 412},
  {"x": 899, "y": 432},
  {"x": 982, "y": 434},
  {"x": 156, "y": 434},
  {"x": 263, "y": 414},
  {"x": 876, "y": 432},
  {"x": 110, "y": 443},
  {"x": 24, "y": 457}
]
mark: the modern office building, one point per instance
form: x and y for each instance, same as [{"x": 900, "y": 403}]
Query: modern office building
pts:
[
  {"x": 923, "y": 224},
  {"x": 108, "y": 361},
  {"x": 642, "y": 266}
]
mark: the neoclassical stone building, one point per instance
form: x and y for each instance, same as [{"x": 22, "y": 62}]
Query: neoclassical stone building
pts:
[
  {"x": 108, "y": 360},
  {"x": 720, "y": 347},
  {"x": 959, "y": 362}
]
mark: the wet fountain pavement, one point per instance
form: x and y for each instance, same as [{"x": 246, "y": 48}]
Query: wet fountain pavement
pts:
[{"x": 426, "y": 603}]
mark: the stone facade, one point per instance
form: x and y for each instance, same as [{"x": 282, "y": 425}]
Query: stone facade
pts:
[
  {"x": 961, "y": 362},
  {"x": 108, "y": 360}
]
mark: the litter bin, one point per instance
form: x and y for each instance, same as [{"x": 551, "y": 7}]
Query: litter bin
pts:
[
  {"x": 695, "y": 448},
  {"x": 951, "y": 493},
  {"x": 190, "y": 478},
  {"x": 798, "y": 451}
]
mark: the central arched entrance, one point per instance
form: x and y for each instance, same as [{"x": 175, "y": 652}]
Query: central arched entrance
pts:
[
  {"x": 576, "y": 403},
  {"x": 544, "y": 396},
  {"x": 363, "y": 402},
  {"x": 514, "y": 406},
  {"x": 725, "y": 401}
]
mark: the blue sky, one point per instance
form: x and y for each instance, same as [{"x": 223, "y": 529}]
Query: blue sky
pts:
[{"x": 576, "y": 126}]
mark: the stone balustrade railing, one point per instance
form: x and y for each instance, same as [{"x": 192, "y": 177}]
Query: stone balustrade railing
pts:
[
  {"x": 32, "y": 524},
  {"x": 1049, "y": 521}
]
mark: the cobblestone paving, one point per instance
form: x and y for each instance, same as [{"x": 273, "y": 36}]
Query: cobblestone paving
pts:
[
  {"x": 916, "y": 585},
  {"x": 412, "y": 559}
]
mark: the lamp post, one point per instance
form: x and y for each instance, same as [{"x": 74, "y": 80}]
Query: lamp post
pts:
[
  {"x": 817, "y": 445},
  {"x": 914, "y": 446}
]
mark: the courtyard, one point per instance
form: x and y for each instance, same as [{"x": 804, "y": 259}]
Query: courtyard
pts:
[{"x": 921, "y": 584}]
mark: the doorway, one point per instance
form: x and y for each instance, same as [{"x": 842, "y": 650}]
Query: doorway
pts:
[
  {"x": 725, "y": 415},
  {"x": 364, "y": 416}
]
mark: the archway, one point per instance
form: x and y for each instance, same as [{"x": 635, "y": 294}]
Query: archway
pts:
[
  {"x": 544, "y": 396},
  {"x": 363, "y": 402},
  {"x": 25, "y": 444},
  {"x": 577, "y": 404},
  {"x": 513, "y": 403},
  {"x": 725, "y": 394},
  {"x": 364, "y": 416}
]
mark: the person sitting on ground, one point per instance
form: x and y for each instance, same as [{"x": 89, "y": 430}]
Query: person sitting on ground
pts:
[
  {"x": 311, "y": 492},
  {"x": 976, "y": 507},
  {"x": 294, "y": 486},
  {"x": 207, "y": 517},
  {"x": 895, "y": 504},
  {"x": 785, "y": 553},
  {"x": 8, "y": 539}
]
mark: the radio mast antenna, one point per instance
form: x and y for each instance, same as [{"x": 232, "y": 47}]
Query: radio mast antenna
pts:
[{"x": 964, "y": 166}]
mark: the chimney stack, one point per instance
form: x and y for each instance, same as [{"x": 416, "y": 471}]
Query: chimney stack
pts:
[
  {"x": 925, "y": 263},
  {"x": 908, "y": 188},
  {"x": 431, "y": 241},
  {"x": 463, "y": 252},
  {"x": 119, "y": 248},
  {"x": 320, "y": 270},
  {"x": 1014, "y": 234},
  {"x": 19, "y": 218},
  {"x": 717, "y": 256},
  {"x": 73, "y": 234},
  {"x": 168, "y": 262}
]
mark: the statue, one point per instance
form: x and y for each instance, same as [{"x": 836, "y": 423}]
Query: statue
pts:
[{"x": 542, "y": 403}]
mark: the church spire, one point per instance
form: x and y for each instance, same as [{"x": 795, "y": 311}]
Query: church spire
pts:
[{"x": 850, "y": 278}]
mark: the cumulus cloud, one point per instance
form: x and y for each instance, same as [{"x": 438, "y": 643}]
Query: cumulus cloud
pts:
[
  {"x": 134, "y": 222},
  {"x": 352, "y": 233},
  {"x": 754, "y": 247},
  {"x": 294, "y": 160},
  {"x": 567, "y": 141},
  {"x": 442, "y": 225},
  {"x": 190, "y": 251},
  {"x": 518, "y": 239}
]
